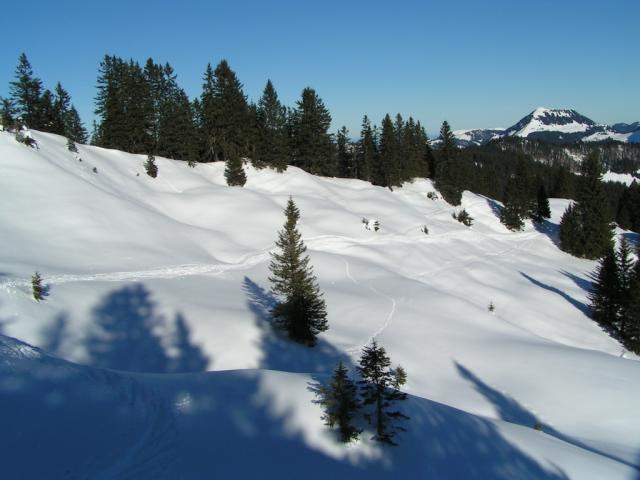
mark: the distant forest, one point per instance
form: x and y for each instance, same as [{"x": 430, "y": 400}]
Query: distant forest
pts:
[{"x": 142, "y": 109}]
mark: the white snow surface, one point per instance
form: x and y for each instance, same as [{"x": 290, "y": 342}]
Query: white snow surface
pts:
[
  {"x": 625, "y": 178},
  {"x": 478, "y": 381}
]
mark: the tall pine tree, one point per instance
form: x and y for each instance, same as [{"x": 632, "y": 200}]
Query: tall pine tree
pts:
[
  {"x": 25, "y": 93},
  {"x": 301, "y": 311},
  {"x": 273, "y": 143},
  {"x": 312, "y": 145},
  {"x": 447, "y": 167}
]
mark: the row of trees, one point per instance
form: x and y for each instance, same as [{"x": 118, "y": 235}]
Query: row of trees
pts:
[
  {"x": 41, "y": 109},
  {"x": 615, "y": 298}
]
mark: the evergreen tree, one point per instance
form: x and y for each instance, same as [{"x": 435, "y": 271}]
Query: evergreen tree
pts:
[
  {"x": 73, "y": 126},
  {"x": 26, "y": 91},
  {"x": 273, "y": 142},
  {"x": 625, "y": 274},
  {"x": 542, "y": 209},
  {"x": 585, "y": 230},
  {"x": 379, "y": 388},
  {"x": 301, "y": 311},
  {"x": 340, "y": 402},
  {"x": 37, "y": 289},
  {"x": 516, "y": 198},
  {"x": 234, "y": 171},
  {"x": 447, "y": 167},
  {"x": 605, "y": 296},
  {"x": 312, "y": 145},
  {"x": 7, "y": 113},
  {"x": 366, "y": 151},
  {"x": 61, "y": 107},
  {"x": 387, "y": 173},
  {"x": 225, "y": 114},
  {"x": 631, "y": 332},
  {"x": 344, "y": 154},
  {"x": 190, "y": 357},
  {"x": 150, "y": 166}
]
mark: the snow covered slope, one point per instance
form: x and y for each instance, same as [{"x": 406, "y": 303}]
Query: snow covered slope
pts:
[{"x": 115, "y": 243}]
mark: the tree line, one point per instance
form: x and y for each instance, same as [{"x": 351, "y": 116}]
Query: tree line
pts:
[{"x": 142, "y": 109}]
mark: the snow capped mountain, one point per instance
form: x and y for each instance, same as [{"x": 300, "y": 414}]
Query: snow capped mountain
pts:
[
  {"x": 554, "y": 125},
  {"x": 466, "y": 138}
]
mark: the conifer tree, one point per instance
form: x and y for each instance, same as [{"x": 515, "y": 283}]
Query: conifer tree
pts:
[
  {"x": 344, "y": 154},
  {"x": 605, "y": 296},
  {"x": 26, "y": 91},
  {"x": 379, "y": 387},
  {"x": 150, "y": 166},
  {"x": 234, "y": 171},
  {"x": 387, "y": 173},
  {"x": 516, "y": 198},
  {"x": 366, "y": 151},
  {"x": 625, "y": 275},
  {"x": 312, "y": 145},
  {"x": 542, "y": 209},
  {"x": 225, "y": 114},
  {"x": 447, "y": 167},
  {"x": 585, "y": 229},
  {"x": 37, "y": 288},
  {"x": 7, "y": 113},
  {"x": 273, "y": 143},
  {"x": 301, "y": 311},
  {"x": 340, "y": 402},
  {"x": 631, "y": 332}
]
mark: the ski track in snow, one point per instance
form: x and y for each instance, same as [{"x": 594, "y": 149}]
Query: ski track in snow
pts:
[{"x": 357, "y": 349}]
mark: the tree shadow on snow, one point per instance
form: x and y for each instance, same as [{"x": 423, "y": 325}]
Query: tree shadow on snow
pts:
[
  {"x": 579, "y": 305},
  {"x": 127, "y": 333},
  {"x": 280, "y": 353},
  {"x": 549, "y": 229},
  {"x": 495, "y": 207},
  {"x": 584, "y": 284},
  {"x": 55, "y": 335},
  {"x": 511, "y": 411}
]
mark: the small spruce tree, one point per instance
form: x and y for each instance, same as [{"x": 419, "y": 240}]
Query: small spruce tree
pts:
[
  {"x": 150, "y": 166},
  {"x": 340, "y": 402},
  {"x": 301, "y": 311},
  {"x": 234, "y": 171},
  {"x": 379, "y": 386},
  {"x": 36, "y": 287},
  {"x": 542, "y": 205}
]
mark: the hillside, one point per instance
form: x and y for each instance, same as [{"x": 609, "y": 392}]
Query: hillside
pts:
[{"x": 116, "y": 243}]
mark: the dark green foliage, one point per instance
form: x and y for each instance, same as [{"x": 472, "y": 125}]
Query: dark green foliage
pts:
[
  {"x": 387, "y": 170},
  {"x": 605, "y": 296},
  {"x": 625, "y": 273},
  {"x": 273, "y": 147},
  {"x": 301, "y": 311},
  {"x": 517, "y": 199},
  {"x": 463, "y": 217},
  {"x": 345, "y": 160},
  {"x": 125, "y": 106},
  {"x": 234, "y": 171},
  {"x": 628, "y": 209},
  {"x": 491, "y": 307},
  {"x": 379, "y": 386},
  {"x": 150, "y": 166},
  {"x": 312, "y": 144},
  {"x": 190, "y": 357},
  {"x": 26, "y": 91},
  {"x": 542, "y": 209},
  {"x": 448, "y": 168},
  {"x": 340, "y": 402},
  {"x": 585, "y": 229},
  {"x": 37, "y": 289},
  {"x": 225, "y": 116},
  {"x": 366, "y": 151},
  {"x": 631, "y": 332}
]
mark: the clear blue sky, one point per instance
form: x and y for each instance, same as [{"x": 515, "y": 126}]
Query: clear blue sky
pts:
[{"x": 474, "y": 63}]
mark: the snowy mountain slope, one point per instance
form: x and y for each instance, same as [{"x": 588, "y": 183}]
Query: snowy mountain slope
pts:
[{"x": 191, "y": 246}]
